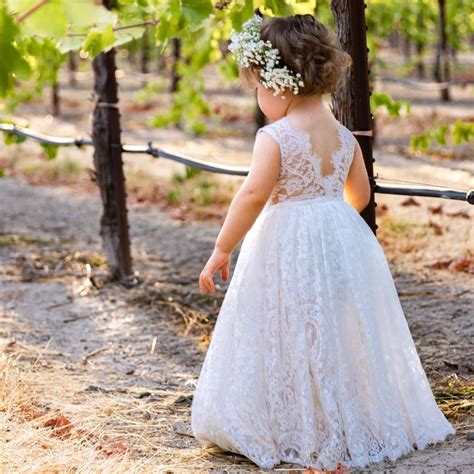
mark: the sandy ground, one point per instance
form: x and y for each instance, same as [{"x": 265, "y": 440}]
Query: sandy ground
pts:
[{"x": 147, "y": 344}]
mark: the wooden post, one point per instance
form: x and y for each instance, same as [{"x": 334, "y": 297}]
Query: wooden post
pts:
[
  {"x": 351, "y": 104},
  {"x": 176, "y": 55},
  {"x": 444, "y": 71},
  {"x": 109, "y": 167}
]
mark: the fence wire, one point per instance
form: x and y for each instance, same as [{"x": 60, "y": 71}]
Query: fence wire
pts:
[{"x": 149, "y": 149}]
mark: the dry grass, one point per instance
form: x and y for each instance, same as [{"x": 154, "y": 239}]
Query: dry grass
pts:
[
  {"x": 52, "y": 427},
  {"x": 190, "y": 194},
  {"x": 426, "y": 238},
  {"x": 51, "y": 424},
  {"x": 37, "y": 436},
  {"x": 455, "y": 397}
]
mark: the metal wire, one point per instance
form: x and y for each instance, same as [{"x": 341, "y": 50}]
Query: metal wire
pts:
[
  {"x": 432, "y": 191},
  {"x": 411, "y": 182}
]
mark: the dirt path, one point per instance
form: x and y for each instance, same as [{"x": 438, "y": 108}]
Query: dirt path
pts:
[{"x": 131, "y": 358}]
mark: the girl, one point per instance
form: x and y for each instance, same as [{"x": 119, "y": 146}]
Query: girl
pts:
[{"x": 311, "y": 359}]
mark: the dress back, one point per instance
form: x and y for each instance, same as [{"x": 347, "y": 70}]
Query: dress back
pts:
[{"x": 301, "y": 176}]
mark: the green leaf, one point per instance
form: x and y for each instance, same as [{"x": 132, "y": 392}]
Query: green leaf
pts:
[
  {"x": 196, "y": 10},
  {"x": 11, "y": 138},
  {"x": 51, "y": 151},
  {"x": 393, "y": 107},
  {"x": 98, "y": 41},
  {"x": 130, "y": 34},
  {"x": 12, "y": 63},
  {"x": 420, "y": 141},
  {"x": 241, "y": 12},
  {"x": 279, "y": 7},
  {"x": 440, "y": 134},
  {"x": 70, "y": 43},
  {"x": 462, "y": 131}
]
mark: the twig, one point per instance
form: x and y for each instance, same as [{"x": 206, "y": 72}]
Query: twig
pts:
[
  {"x": 57, "y": 305},
  {"x": 92, "y": 354},
  {"x": 29, "y": 12},
  {"x": 76, "y": 318},
  {"x": 125, "y": 27}
]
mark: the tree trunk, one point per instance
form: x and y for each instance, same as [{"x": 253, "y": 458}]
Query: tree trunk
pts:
[
  {"x": 161, "y": 62},
  {"x": 72, "y": 66},
  {"x": 145, "y": 51},
  {"x": 109, "y": 167},
  {"x": 351, "y": 104},
  {"x": 407, "y": 49},
  {"x": 55, "y": 98},
  {"x": 176, "y": 52},
  {"x": 437, "y": 63},
  {"x": 444, "y": 51},
  {"x": 420, "y": 66}
]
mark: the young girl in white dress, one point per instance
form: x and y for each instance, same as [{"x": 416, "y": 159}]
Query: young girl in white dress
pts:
[{"x": 311, "y": 360}]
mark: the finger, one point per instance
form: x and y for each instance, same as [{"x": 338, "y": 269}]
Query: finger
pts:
[
  {"x": 225, "y": 272},
  {"x": 210, "y": 284},
  {"x": 202, "y": 288},
  {"x": 207, "y": 281}
]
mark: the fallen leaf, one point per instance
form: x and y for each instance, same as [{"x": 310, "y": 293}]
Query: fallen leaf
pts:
[
  {"x": 463, "y": 214},
  {"x": 440, "y": 265},
  {"x": 62, "y": 426},
  {"x": 462, "y": 264},
  {"x": 438, "y": 230},
  {"x": 410, "y": 202},
  {"x": 436, "y": 209},
  {"x": 381, "y": 209}
]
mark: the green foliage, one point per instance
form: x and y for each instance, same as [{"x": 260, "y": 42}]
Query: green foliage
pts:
[
  {"x": 10, "y": 138},
  {"x": 189, "y": 173},
  {"x": 174, "y": 196},
  {"x": 50, "y": 151},
  {"x": 241, "y": 12},
  {"x": 97, "y": 41},
  {"x": 35, "y": 48},
  {"x": 393, "y": 107},
  {"x": 459, "y": 132},
  {"x": 459, "y": 22},
  {"x": 415, "y": 20},
  {"x": 13, "y": 65}
]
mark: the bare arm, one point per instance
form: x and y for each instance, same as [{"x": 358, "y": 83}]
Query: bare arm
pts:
[
  {"x": 244, "y": 208},
  {"x": 357, "y": 186}
]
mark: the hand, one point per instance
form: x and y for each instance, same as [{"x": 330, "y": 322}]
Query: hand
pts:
[{"x": 218, "y": 260}]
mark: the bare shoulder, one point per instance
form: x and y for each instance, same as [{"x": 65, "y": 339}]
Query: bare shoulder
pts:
[
  {"x": 268, "y": 141},
  {"x": 272, "y": 134}
]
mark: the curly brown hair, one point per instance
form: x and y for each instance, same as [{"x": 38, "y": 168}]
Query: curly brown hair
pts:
[{"x": 309, "y": 47}]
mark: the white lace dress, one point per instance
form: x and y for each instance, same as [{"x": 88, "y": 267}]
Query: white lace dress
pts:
[{"x": 311, "y": 360}]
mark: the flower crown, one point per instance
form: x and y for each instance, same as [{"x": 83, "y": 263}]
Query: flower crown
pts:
[{"x": 249, "y": 49}]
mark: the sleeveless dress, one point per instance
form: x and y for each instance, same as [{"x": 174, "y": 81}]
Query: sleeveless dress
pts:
[{"x": 311, "y": 360}]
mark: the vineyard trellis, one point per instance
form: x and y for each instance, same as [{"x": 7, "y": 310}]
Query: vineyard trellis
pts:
[{"x": 148, "y": 149}]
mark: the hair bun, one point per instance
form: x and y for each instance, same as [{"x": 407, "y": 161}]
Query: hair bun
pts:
[{"x": 311, "y": 48}]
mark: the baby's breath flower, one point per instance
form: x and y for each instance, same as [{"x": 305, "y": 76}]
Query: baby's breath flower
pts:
[{"x": 249, "y": 50}]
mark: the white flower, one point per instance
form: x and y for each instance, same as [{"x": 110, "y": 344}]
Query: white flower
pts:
[{"x": 249, "y": 49}]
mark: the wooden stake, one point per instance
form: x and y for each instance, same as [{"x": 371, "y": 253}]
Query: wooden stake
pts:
[
  {"x": 109, "y": 167},
  {"x": 351, "y": 104}
]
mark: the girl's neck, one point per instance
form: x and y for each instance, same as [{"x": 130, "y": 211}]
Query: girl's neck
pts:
[{"x": 307, "y": 107}]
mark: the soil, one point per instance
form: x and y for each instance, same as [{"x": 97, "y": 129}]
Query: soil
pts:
[{"x": 147, "y": 343}]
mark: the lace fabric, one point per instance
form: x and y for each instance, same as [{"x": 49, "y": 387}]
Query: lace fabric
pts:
[
  {"x": 311, "y": 360},
  {"x": 301, "y": 175}
]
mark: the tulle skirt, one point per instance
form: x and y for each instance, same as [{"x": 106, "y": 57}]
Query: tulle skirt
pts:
[{"x": 311, "y": 360}]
